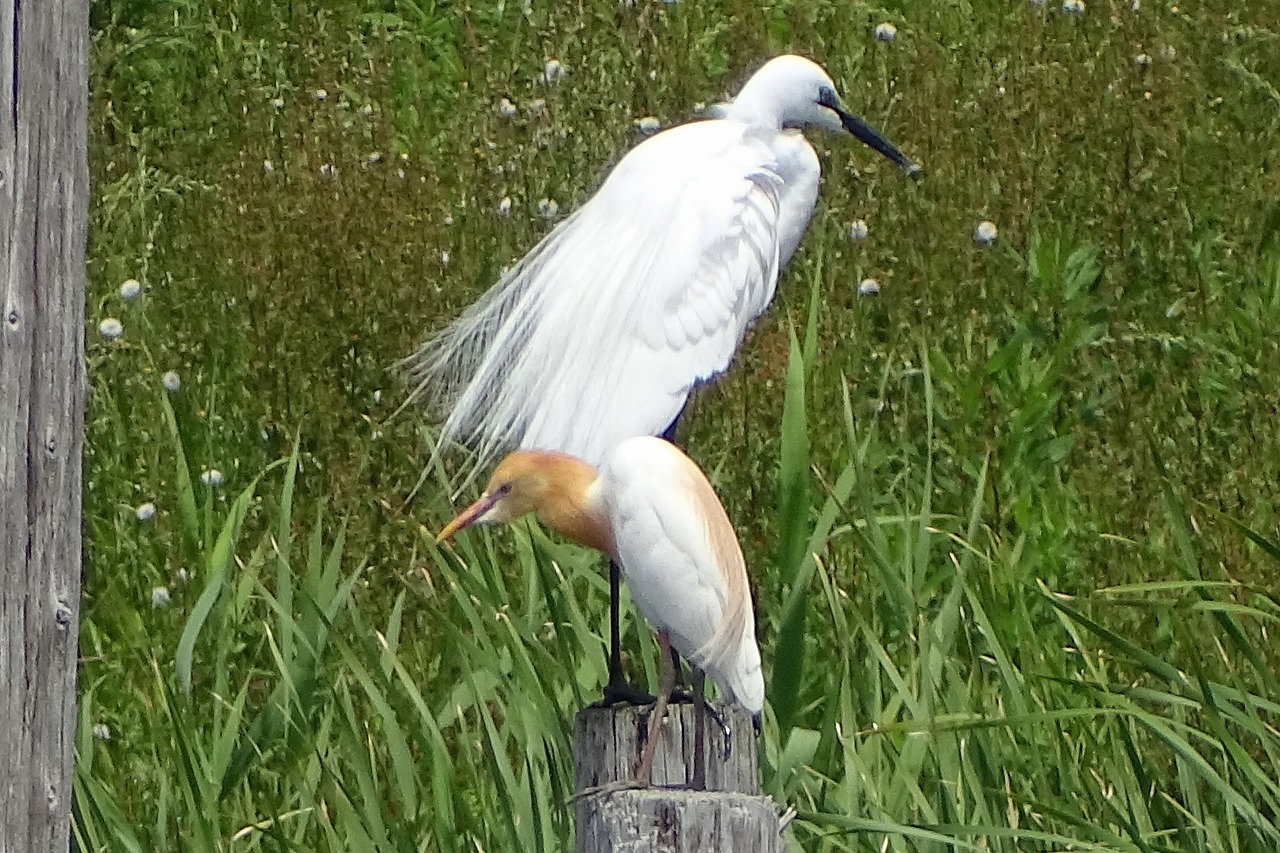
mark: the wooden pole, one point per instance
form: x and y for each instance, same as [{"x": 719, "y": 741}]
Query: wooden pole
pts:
[
  {"x": 44, "y": 191},
  {"x": 729, "y": 817}
]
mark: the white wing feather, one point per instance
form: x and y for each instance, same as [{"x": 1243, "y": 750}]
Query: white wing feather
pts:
[
  {"x": 662, "y": 510},
  {"x": 603, "y": 329}
]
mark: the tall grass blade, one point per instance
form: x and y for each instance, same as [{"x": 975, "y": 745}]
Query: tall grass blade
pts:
[
  {"x": 188, "y": 514},
  {"x": 796, "y": 572},
  {"x": 218, "y": 562}
]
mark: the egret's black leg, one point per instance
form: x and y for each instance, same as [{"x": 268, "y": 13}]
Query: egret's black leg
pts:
[
  {"x": 669, "y": 434},
  {"x": 618, "y": 691},
  {"x": 615, "y": 618},
  {"x": 675, "y": 664},
  {"x": 699, "y": 730}
]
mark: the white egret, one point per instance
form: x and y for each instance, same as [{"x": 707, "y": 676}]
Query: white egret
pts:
[
  {"x": 651, "y": 509},
  {"x": 603, "y": 329}
]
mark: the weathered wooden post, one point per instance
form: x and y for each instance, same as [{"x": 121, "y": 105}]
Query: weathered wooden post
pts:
[
  {"x": 44, "y": 191},
  {"x": 730, "y": 816}
]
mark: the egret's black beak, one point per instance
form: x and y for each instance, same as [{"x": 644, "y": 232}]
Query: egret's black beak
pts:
[{"x": 869, "y": 135}]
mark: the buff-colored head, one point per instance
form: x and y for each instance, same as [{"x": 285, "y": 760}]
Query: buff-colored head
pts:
[
  {"x": 555, "y": 486},
  {"x": 517, "y": 486}
]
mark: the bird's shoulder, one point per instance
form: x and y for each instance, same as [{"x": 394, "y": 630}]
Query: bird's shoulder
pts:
[
  {"x": 646, "y": 461},
  {"x": 697, "y": 152},
  {"x": 651, "y": 478}
]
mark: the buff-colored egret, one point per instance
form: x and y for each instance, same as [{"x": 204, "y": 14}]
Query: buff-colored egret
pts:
[
  {"x": 652, "y": 510},
  {"x": 606, "y": 326}
]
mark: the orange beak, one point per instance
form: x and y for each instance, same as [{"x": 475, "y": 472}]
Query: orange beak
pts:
[{"x": 470, "y": 515}]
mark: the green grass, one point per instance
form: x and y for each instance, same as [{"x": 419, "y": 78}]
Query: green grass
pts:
[{"x": 1012, "y": 525}]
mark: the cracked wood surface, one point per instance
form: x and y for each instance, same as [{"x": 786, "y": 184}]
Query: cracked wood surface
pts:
[
  {"x": 730, "y": 815},
  {"x": 44, "y": 192}
]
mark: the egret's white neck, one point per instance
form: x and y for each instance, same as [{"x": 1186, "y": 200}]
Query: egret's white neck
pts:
[{"x": 752, "y": 111}]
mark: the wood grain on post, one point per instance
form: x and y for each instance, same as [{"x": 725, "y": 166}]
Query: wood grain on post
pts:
[
  {"x": 729, "y": 816},
  {"x": 44, "y": 192}
]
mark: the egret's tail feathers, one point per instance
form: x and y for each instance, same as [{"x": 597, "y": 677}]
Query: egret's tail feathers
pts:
[
  {"x": 458, "y": 375},
  {"x": 746, "y": 680},
  {"x": 600, "y": 332},
  {"x": 732, "y": 659},
  {"x": 537, "y": 361}
]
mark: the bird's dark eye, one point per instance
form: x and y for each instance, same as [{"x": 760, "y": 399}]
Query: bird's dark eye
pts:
[{"x": 503, "y": 490}]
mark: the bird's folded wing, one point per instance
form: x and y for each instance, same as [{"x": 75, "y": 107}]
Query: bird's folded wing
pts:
[
  {"x": 679, "y": 553},
  {"x": 602, "y": 330}
]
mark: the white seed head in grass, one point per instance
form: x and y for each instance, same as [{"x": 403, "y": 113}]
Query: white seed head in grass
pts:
[
  {"x": 548, "y": 208},
  {"x": 171, "y": 381},
  {"x": 444, "y": 259},
  {"x": 858, "y": 230},
  {"x": 212, "y": 478},
  {"x": 322, "y": 94},
  {"x": 985, "y": 234},
  {"x": 268, "y": 167},
  {"x": 869, "y": 287},
  {"x": 366, "y": 110},
  {"x": 885, "y": 32},
  {"x": 648, "y": 125},
  {"x": 102, "y": 731},
  {"x": 1142, "y": 59},
  {"x": 145, "y": 512},
  {"x": 506, "y": 109},
  {"x": 552, "y": 72},
  {"x": 182, "y": 576},
  {"x": 111, "y": 328},
  {"x": 504, "y": 207},
  {"x": 130, "y": 290},
  {"x": 1073, "y": 7},
  {"x": 278, "y": 103},
  {"x": 160, "y": 597},
  {"x": 536, "y": 106}
]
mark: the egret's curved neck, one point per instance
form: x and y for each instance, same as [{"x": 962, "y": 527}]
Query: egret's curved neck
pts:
[
  {"x": 752, "y": 109},
  {"x": 571, "y": 504}
]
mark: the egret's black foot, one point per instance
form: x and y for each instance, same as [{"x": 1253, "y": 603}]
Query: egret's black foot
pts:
[
  {"x": 622, "y": 693},
  {"x": 724, "y": 731}
]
